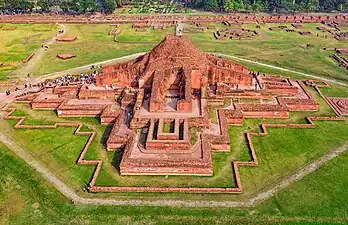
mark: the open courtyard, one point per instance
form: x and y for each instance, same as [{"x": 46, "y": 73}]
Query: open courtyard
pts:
[{"x": 246, "y": 115}]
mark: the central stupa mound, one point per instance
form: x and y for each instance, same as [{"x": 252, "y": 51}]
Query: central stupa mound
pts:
[
  {"x": 175, "y": 55},
  {"x": 175, "y": 46}
]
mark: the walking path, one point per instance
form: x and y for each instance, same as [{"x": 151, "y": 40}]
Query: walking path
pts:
[
  {"x": 79, "y": 69},
  {"x": 76, "y": 70},
  {"x": 75, "y": 198},
  {"x": 282, "y": 69},
  {"x": 179, "y": 29},
  {"x": 28, "y": 68}
]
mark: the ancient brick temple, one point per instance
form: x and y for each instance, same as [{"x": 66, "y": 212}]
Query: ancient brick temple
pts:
[
  {"x": 174, "y": 66},
  {"x": 160, "y": 106}
]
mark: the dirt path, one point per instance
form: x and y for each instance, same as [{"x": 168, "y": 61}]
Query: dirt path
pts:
[
  {"x": 29, "y": 67},
  {"x": 77, "y": 70},
  {"x": 282, "y": 69},
  {"x": 73, "y": 196},
  {"x": 80, "y": 69}
]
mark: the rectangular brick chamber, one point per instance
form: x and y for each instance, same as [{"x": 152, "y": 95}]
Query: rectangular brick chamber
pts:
[
  {"x": 137, "y": 169},
  {"x": 167, "y": 145},
  {"x": 87, "y": 108},
  {"x": 263, "y": 111}
]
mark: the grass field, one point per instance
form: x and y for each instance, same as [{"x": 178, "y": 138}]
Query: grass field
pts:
[
  {"x": 292, "y": 149},
  {"x": 16, "y": 45},
  {"x": 25, "y": 198},
  {"x": 93, "y": 44},
  {"x": 278, "y": 48}
]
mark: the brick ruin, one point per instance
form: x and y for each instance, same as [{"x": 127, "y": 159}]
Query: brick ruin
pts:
[
  {"x": 173, "y": 69},
  {"x": 29, "y": 57},
  {"x": 341, "y": 36},
  {"x": 66, "y": 39},
  {"x": 341, "y": 57},
  {"x": 235, "y": 34},
  {"x": 154, "y": 100},
  {"x": 65, "y": 56},
  {"x": 141, "y": 19}
]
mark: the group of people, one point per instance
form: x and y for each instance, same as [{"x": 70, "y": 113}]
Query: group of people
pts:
[
  {"x": 64, "y": 80},
  {"x": 88, "y": 78},
  {"x": 69, "y": 79}
]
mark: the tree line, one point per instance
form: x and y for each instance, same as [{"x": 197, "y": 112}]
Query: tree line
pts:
[
  {"x": 271, "y": 5},
  {"x": 67, "y": 6},
  {"x": 107, "y": 6}
]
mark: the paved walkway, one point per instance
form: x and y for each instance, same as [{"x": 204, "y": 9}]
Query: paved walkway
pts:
[{"x": 75, "y": 198}]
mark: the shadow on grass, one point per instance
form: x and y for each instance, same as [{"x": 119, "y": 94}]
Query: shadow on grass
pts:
[
  {"x": 116, "y": 160},
  {"x": 106, "y": 134}
]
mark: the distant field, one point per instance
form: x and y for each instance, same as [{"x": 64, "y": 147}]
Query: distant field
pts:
[
  {"x": 278, "y": 48},
  {"x": 93, "y": 45},
  {"x": 17, "y": 44},
  {"x": 281, "y": 48}
]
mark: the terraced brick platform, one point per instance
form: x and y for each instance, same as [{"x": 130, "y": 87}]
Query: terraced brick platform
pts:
[{"x": 153, "y": 101}]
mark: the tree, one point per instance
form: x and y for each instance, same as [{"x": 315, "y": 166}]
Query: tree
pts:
[
  {"x": 258, "y": 5},
  {"x": 205, "y": 4},
  {"x": 327, "y": 5},
  {"x": 342, "y": 5},
  {"x": 118, "y": 3},
  {"x": 234, "y": 5},
  {"x": 43, "y": 4},
  {"x": 212, "y": 4},
  {"x": 288, "y": 4},
  {"x": 86, "y": 6},
  {"x": 312, "y": 5},
  {"x": 107, "y": 6},
  {"x": 274, "y": 4}
]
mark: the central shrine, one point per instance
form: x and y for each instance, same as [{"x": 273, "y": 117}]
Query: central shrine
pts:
[
  {"x": 175, "y": 68},
  {"x": 171, "y": 108}
]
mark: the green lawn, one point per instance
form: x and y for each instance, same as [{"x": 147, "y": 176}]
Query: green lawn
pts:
[
  {"x": 16, "y": 45},
  {"x": 320, "y": 194},
  {"x": 280, "y": 153},
  {"x": 320, "y": 198},
  {"x": 25, "y": 198},
  {"x": 129, "y": 35},
  {"x": 278, "y": 48},
  {"x": 93, "y": 45}
]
